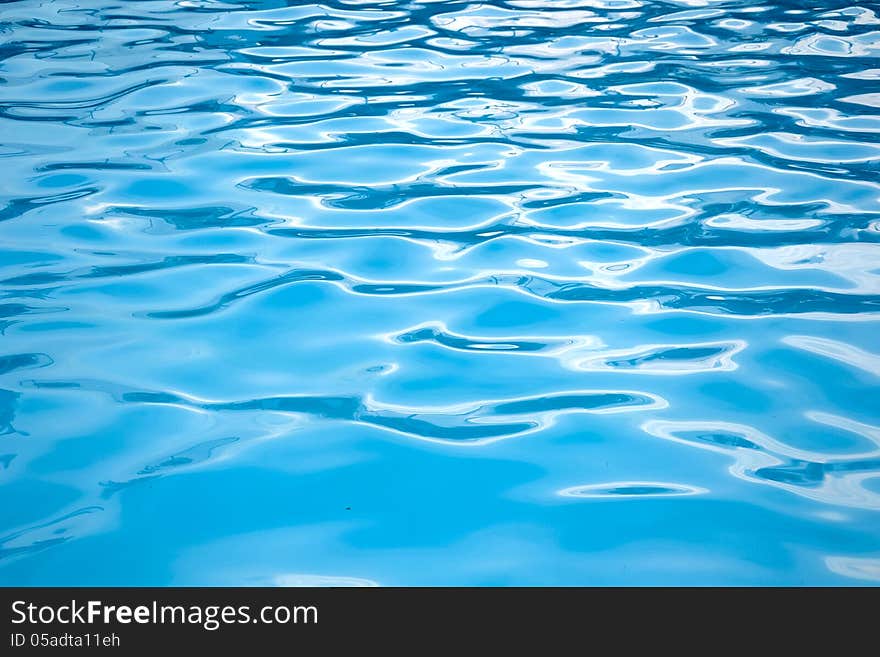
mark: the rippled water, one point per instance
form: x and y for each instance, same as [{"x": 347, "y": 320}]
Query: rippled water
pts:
[{"x": 524, "y": 292}]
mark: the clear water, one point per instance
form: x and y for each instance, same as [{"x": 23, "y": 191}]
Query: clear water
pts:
[{"x": 525, "y": 292}]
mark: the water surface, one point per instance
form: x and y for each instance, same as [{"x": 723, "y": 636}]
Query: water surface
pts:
[{"x": 412, "y": 293}]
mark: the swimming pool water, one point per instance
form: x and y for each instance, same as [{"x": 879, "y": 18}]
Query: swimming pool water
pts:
[{"x": 439, "y": 293}]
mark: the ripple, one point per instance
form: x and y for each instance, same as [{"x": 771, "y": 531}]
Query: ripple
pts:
[
  {"x": 630, "y": 489},
  {"x": 836, "y": 350},
  {"x": 437, "y": 333},
  {"x": 822, "y": 476},
  {"x": 467, "y": 423},
  {"x": 184, "y": 459},
  {"x": 292, "y": 579},
  {"x": 641, "y": 297},
  {"x": 42, "y": 536},
  {"x": 665, "y": 359},
  {"x": 863, "y": 569},
  {"x": 23, "y": 361}
]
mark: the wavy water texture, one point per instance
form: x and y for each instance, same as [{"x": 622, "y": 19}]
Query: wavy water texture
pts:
[{"x": 370, "y": 292}]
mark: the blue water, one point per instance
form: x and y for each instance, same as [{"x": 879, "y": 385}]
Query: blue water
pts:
[{"x": 416, "y": 293}]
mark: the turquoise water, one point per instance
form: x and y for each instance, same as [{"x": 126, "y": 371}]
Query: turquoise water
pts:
[{"x": 414, "y": 293}]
